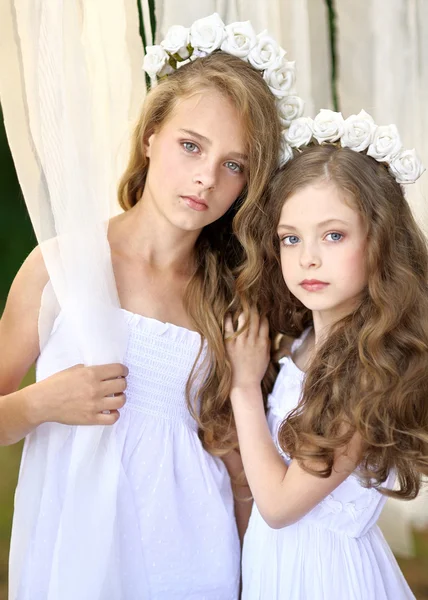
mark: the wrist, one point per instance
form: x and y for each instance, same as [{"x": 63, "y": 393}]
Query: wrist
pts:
[
  {"x": 249, "y": 387},
  {"x": 33, "y": 404},
  {"x": 249, "y": 393}
]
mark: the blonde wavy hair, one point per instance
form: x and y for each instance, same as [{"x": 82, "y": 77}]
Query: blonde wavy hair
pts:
[
  {"x": 371, "y": 373},
  {"x": 210, "y": 293}
]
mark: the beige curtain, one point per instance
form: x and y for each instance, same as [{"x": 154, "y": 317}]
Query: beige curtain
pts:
[{"x": 300, "y": 26}]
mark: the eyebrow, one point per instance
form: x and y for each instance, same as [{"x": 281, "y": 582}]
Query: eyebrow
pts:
[
  {"x": 202, "y": 138},
  {"x": 322, "y": 224}
]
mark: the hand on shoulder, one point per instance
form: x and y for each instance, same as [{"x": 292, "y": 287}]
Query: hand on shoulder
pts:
[{"x": 248, "y": 349}]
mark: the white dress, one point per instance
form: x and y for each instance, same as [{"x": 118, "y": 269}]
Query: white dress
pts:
[
  {"x": 335, "y": 552},
  {"x": 175, "y": 503}
]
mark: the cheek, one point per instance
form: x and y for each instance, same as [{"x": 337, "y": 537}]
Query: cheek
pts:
[
  {"x": 288, "y": 265},
  {"x": 229, "y": 190},
  {"x": 354, "y": 267}
]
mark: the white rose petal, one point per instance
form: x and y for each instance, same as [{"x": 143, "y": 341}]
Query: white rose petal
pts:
[
  {"x": 154, "y": 60},
  {"x": 281, "y": 77},
  {"x": 289, "y": 108},
  {"x": 328, "y": 126},
  {"x": 300, "y": 132},
  {"x": 359, "y": 132},
  {"x": 406, "y": 166},
  {"x": 207, "y": 35},
  {"x": 176, "y": 41},
  {"x": 240, "y": 39},
  {"x": 265, "y": 53},
  {"x": 386, "y": 143},
  {"x": 286, "y": 151}
]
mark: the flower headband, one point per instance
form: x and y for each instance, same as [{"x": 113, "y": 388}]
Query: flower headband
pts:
[
  {"x": 207, "y": 35},
  {"x": 359, "y": 133}
]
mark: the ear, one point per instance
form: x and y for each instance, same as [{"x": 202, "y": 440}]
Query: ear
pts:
[{"x": 148, "y": 145}]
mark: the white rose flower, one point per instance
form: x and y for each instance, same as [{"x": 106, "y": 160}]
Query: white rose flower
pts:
[
  {"x": 286, "y": 151},
  {"x": 155, "y": 60},
  {"x": 240, "y": 39},
  {"x": 359, "y": 132},
  {"x": 386, "y": 142},
  {"x": 265, "y": 53},
  {"x": 176, "y": 41},
  {"x": 207, "y": 35},
  {"x": 328, "y": 126},
  {"x": 289, "y": 108},
  {"x": 406, "y": 166},
  {"x": 300, "y": 132},
  {"x": 281, "y": 77}
]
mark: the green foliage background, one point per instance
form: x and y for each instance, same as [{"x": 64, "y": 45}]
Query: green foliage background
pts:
[{"x": 16, "y": 241}]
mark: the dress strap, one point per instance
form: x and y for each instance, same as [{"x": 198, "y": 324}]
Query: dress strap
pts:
[{"x": 299, "y": 341}]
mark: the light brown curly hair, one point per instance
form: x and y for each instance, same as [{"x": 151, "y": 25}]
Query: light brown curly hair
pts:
[
  {"x": 219, "y": 253},
  {"x": 370, "y": 376}
]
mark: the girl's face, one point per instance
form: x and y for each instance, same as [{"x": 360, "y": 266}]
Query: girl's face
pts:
[
  {"x": 323, "y": 244},
  {"x": 197, "y": 162}
]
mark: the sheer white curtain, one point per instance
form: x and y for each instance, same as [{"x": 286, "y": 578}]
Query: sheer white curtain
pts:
[
  {"x": 383, "y": 53},
  {"x": 70, "y": 86},
  {"x": 300, "y": 26}
]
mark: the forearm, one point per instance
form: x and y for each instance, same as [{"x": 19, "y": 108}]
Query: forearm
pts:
[
  {"x": 264, "y": 467},
  {"x": 20, "y": 413}
]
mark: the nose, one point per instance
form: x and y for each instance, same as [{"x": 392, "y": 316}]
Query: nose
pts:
[
  {"x": 310, "y": 256},
  {"x": 206, "y": 175}
]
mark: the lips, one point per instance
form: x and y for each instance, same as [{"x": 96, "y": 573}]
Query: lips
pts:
[
  {"x": 313, "y": 285},
  {"x": 195, "y": 203}
]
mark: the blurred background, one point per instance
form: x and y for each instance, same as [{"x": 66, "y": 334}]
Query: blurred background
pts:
[{"x": 350, "y": 55}]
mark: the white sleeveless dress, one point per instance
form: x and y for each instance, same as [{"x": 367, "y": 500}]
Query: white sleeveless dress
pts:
[
  {"x": 336, "y": 551},
  {"x": 175, "y": 503}
]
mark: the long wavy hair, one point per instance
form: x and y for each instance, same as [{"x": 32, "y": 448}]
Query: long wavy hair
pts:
[
  {"x": 370, "y": 376},
  {"x": 219, "y": 252}
]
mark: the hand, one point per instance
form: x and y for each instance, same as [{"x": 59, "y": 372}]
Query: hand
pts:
[
  {"x": 81, "y": 395},
  {"x": 249, "y": 351}
]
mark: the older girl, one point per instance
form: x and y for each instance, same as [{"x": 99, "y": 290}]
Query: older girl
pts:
[{"x": 203, "y": 151}]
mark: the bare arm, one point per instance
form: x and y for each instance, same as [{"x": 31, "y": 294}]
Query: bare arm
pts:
[
  {"x": 241, "y": 490},
  {"x": 283, "y": 494},
  {"x": 74, "y": 396}
]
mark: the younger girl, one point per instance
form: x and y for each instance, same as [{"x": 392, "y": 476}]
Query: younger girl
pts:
[{"x": 348, "y": 411}]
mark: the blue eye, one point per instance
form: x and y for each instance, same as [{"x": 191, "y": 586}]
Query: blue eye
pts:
[
  {"x": 290, "y": 240},
  {"x": 233, "y": 166},
  {"x": 334, "y": 236},
  {"x": 190, "y": 147}
]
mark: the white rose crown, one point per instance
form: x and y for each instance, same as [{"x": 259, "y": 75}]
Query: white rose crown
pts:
[
  {"x": 359, "y": 133},
  {"x": 206, "y": 36}
]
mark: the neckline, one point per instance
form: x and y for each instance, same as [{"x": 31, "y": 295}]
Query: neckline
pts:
[
  {"x": 295, "y": 346},
  {"x": 163, "y": 324}
]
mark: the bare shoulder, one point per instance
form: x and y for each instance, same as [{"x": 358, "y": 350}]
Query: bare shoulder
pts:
[
  {"x": 28, "y": 285},
  {"x": 19, "y": 340}
]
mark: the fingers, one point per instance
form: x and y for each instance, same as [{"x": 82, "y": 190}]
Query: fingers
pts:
[
  {"x": 251, "y": 326},
  {"x": 113, "y": 386},
  {"x": 228, "y": 326},
  {"x": 114, "y": 402},
  {"x": 112, "y": 371},
  {"x": 264, "y": 327},
  {"x": 107, "y": 419}
]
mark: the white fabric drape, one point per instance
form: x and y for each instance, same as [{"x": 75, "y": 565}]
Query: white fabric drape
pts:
[
  {"x": 383, "y": 53},
  {"x": 299, "y": 26},
  {"x": 69, "y": 91}
]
